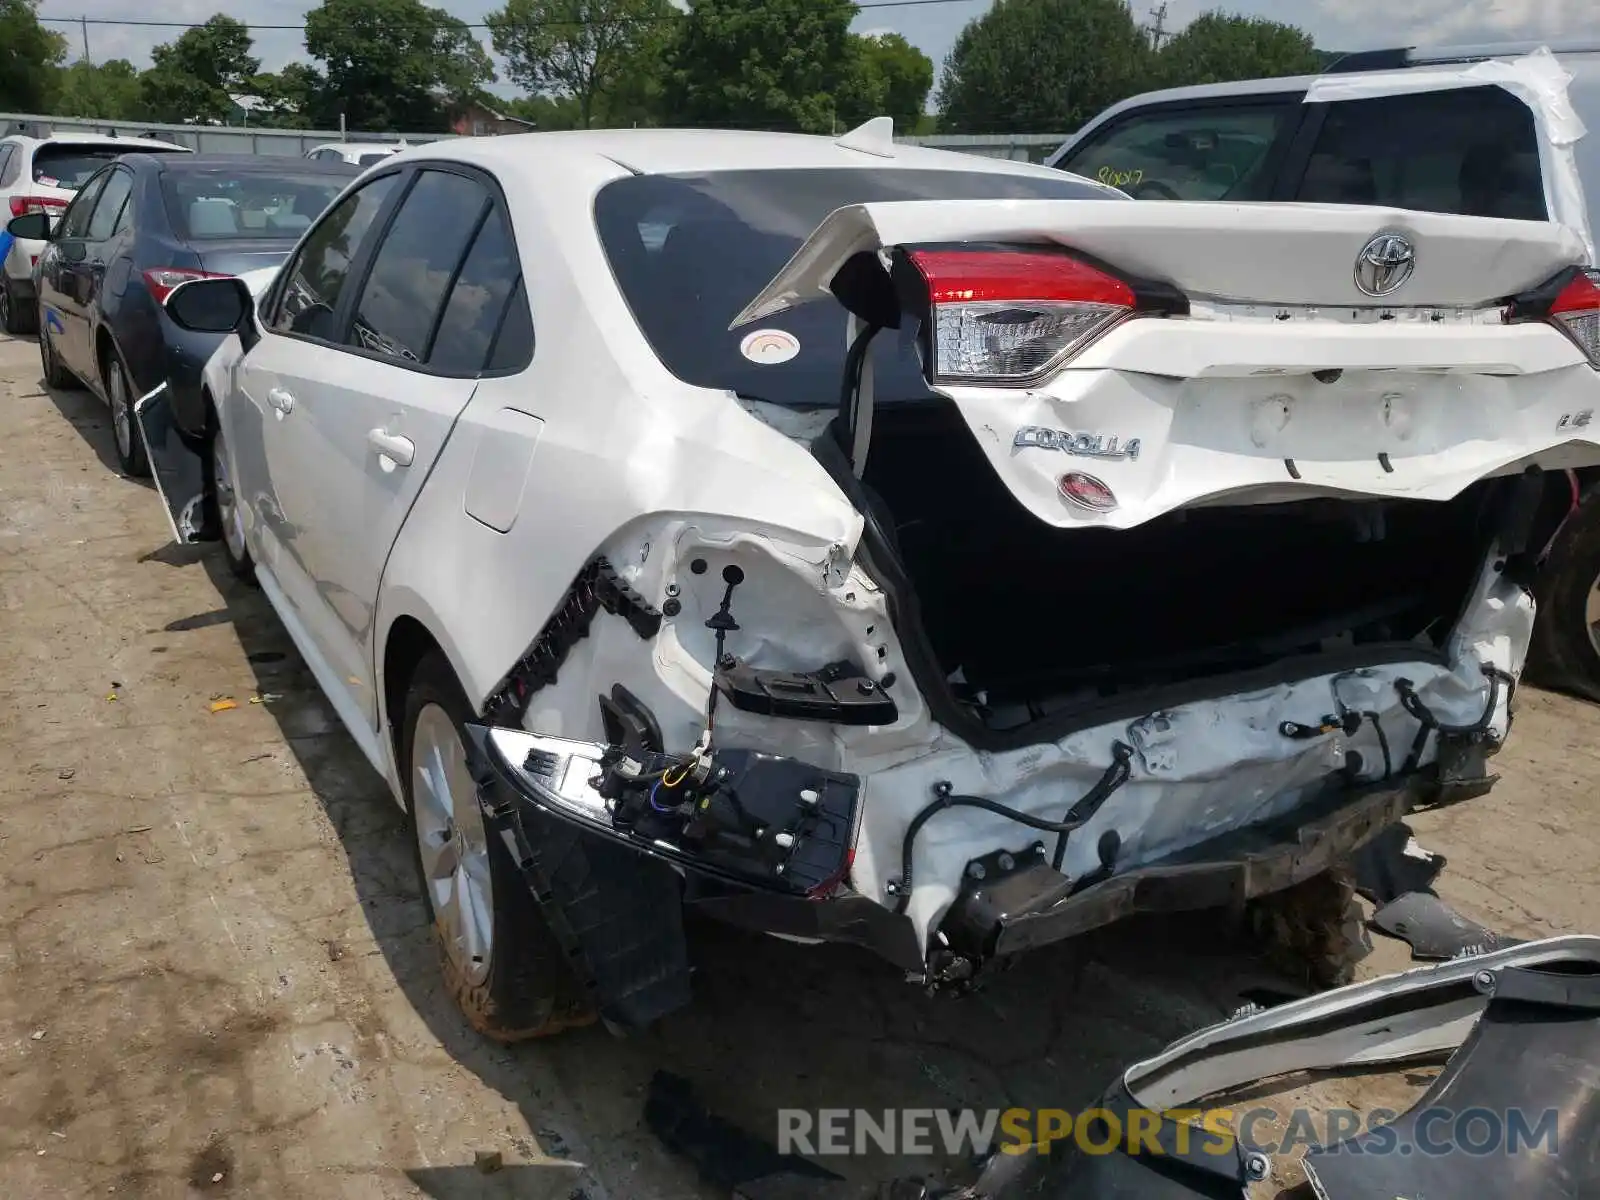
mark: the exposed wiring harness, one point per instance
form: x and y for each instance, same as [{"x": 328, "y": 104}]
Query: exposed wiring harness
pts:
[
  {"x": 1414, "y": 704},
  {"x": 1082, "y": 810}
]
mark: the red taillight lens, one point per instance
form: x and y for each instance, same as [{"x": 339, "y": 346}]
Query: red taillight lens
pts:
[
  {"x": 1576, "y": 312},
  {"x": 1008, "y": 317},
  {"x": 161, "y": 280},
  {"x": 23, "y": 205}
]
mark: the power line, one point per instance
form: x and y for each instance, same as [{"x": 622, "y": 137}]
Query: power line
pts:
[{"x": 300, "y": 26}]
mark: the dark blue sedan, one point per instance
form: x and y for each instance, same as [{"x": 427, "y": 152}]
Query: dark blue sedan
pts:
[{"x": 136, "y": 230}]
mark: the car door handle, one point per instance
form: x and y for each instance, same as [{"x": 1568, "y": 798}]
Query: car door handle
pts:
[
  {"x": 398, "y": 450},
  {"x": 280, "y": 400}
]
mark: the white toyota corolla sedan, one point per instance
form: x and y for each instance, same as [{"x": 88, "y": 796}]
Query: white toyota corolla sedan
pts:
[{"x": 865, "y": 543}]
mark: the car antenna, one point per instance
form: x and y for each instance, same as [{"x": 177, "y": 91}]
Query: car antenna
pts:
[{"x": 874, "y": 137}]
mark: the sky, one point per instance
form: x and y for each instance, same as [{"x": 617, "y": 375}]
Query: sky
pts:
[{"x": 1335, "y": 24}]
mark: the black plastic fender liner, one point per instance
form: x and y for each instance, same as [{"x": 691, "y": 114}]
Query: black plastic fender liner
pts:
[{"x": 617, "y": 914}]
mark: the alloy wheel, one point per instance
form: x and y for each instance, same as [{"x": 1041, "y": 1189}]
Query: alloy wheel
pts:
[
  {"x": 453, "y": 843},
  {"x": 121, "y": 415},
  {"x": 1591, "y": 615}
]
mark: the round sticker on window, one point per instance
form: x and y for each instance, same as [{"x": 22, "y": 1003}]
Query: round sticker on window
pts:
[{"x": 769, "y": 347}]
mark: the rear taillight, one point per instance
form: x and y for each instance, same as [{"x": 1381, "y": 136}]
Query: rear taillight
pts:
[
  {"x": 161, "y": 280},
  {"x": 1007, "y": 317},
  {"x": 1570, "y": 302},
  {"x": 1577, "y": 311},
  {"x": 23, "y": 205}
]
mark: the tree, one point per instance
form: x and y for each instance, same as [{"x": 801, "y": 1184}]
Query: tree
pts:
[
  {"x": 110, "y": 90},
  {"x": 894, "y": 79},
  {"x": 287, "y": 97},
  {"x": 1041, "y": 66},
  {"x": 1216, "y": 47},
  {"x": 194, "y": 77},
  {"x": 29, "y": 55},
  {"x": 392, "y": 64},
  {"x": 589, "y": 50},
  {"x": 767, "y": 64}
]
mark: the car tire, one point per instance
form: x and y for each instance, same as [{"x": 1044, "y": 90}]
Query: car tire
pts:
[
  {"x": 14, "y": 314},
  {"x": 500, "y": 960},
  {"x": 1566, "y": 635},
  {"x": 221, "y": 509},
  {"x": 55, "y": 375},
  {"x": 125, "y": 432}
]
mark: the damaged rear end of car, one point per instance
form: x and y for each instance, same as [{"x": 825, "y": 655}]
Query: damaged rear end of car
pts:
[{"x": 1199, "y": 560}]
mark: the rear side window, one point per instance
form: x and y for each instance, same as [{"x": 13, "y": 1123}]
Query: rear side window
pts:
[
  {"x": 10, "y": 168},
  {"x": 314, "y": 280},
  {"x": 62, "y": 165},
  {"x": 108, "y": 209},
  {"x": 475, "y": 310},
  {"x": 1213, "y": 152},
  {"x": 1473, "y": 151},
  {"x": 416, "y": 263}
]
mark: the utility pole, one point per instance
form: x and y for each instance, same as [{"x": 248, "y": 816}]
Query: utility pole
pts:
[
  {"x": 1158, "y": 26},
  {"x": 83, "y": 22}
]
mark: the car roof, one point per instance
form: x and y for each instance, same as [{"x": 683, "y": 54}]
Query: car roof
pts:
[
  {"x": 95, "y": 139},
  {"x": 674, "y": 151},
  {"x": 364, "y": 147},
  {"x": 255, "y": 164}
]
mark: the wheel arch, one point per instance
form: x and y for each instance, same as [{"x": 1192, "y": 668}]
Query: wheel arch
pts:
[{"x": 409, "y": 637}]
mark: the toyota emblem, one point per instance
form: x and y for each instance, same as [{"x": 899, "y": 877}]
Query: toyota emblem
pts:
[{"x": 1384, "y": 264}]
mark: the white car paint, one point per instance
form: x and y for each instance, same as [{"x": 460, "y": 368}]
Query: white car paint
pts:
[
  {"x": 597, "y": 449},
  {"x": 357, "y": 154}
]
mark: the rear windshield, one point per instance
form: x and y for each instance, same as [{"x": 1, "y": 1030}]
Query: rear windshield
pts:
[
  {"x": 69, "y": 166},
  {"x": 690, "y": 251},
  {"x": 210, "y": 204}
]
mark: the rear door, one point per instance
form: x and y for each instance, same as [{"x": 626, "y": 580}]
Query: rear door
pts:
[
  {"x": 67, "y": 280},
  {"x": 102, "y": 239},
  {"x": 1227, "y": 148},
  {"x": 359, "y": 419}
]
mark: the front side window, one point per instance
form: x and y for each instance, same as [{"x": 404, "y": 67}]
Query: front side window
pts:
[
  {"x": 1212, "y": 152},
  {"x": 75, "y": 221},
  {"x": 416, "y": 263},
  {"x": 690, "y": 251},
  {"x": 1473, "y": 151},
  {"x": 312, "y": 283}
]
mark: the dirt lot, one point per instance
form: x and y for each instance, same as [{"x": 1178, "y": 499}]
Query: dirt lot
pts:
[{"x": 215, "y": 975}]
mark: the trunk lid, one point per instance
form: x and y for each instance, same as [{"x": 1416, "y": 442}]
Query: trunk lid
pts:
[
  {"x": 1288, "y": 254},
  {"x": 236, "y": 256},
  {"x": 1283, "y": 381}
]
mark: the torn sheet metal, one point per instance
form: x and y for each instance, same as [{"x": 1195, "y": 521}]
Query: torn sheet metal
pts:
[
  {"x": 179, "y": 472},
  {"x": 1537, "y": 79}
]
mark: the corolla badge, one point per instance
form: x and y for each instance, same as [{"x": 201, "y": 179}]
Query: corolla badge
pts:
[{"x": 1385, "y": 263}]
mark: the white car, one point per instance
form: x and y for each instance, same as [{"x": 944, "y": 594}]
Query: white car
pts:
[
  {"x": 43, "y": 175},
  {"x": 941, "y": 554},
  {"x": 358, "y": 154}
]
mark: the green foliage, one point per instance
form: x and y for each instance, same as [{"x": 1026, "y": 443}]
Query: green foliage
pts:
[
  {"x": 392, "y": 64},
  {"x": 194, "y": 75},
  {"x": 760, "y": 64},
  {"x": 1041, "y": 66},
  {"x": 593, "y": 51},
  {"x": 288, "y": 97},
  {"x": 890, "y": 78},
  {"x": 110, "y": 89},
  {"x": 29, "y": 56},
  {"x": 1217, "y": 48}
]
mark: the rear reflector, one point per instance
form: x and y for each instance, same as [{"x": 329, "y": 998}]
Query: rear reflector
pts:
[
  {"x": 1009, "y": 317},
  {"x": 1576, "y": 312},
  {"x": 161, "y": 280},
  {"x": 1086, "y": 492},
  {"x": 22, "y": 205}
]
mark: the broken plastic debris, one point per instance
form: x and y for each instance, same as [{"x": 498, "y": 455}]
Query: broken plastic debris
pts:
[
  {"x": 223, "y": 705},
  {"x": 140, "y": 828},
  {"x": 37, "y": 1035}
]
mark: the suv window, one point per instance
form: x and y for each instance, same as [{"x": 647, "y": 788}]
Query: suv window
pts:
[
  {"x": 75, "y": 221},
  {"x": 310, "y": 292},
  {"x": 1213, "y": 152},
  {"x": 8, "y": 151},
  {"x": 477, "y": 302},
  {"x": 108, "y": 209},
  {"x": 415, "y": 265},
  {"x": 1473, "y": 151}
]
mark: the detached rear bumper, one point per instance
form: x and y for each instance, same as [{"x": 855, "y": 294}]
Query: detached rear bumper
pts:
[{"x": 988, "y": 920}]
